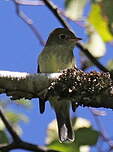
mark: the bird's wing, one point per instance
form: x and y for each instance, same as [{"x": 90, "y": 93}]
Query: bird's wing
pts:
[{"x": 41, "y": 101}]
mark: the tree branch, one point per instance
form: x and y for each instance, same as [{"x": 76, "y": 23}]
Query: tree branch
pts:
[
  {"x": 9, "y": 128},
  {"x": 24, "y": 85},
  {"x": 29, "y": 22},
  {"x": 92, "y": 59},
  {"x": 56, "y": 12},
  {"x": 103, "y": 133},
  {"x": 92, "y": 89}
]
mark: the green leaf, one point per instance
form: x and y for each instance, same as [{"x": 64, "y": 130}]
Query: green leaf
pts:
[
  {"x": 67, "y": 3},
  {"x": 99, "y": 22},
  {"x": 14, "y": 118},
  {"x": 2, "y": 127},
  {"x": 63, "y": 147},
  {"x": 110, "y": 64},
  {"x": 3, "y": 137},
  {"x": 74, "y": 8},
  {"x": 107, "y": 11},
  {"x": 86, "y": 133}
]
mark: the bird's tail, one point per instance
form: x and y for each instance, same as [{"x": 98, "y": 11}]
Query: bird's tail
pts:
[{"x": 64, "y": 123}]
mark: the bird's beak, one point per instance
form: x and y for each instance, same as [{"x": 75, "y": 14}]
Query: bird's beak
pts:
[{"x": 75, "y": 39}]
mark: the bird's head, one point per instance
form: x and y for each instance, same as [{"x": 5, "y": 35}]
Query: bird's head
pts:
[{"x": 62, "y": 36}]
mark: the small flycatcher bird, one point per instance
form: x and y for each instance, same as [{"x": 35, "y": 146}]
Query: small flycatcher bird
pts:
[{"x": 56, "y": 56}]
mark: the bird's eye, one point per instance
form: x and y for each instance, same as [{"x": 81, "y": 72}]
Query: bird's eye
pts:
[{"x": 62, "y": 36}]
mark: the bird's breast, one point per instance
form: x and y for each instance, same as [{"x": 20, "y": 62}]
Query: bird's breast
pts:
[{"x": 50, "y": 62}]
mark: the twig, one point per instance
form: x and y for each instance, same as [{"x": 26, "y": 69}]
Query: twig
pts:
[
  {"x": 17, "y": 142},
  {"x": 56, "y": 12},
  {"x": 29, "y": 22},
  {"x": 25, "y": 146},
  {"x": 9, "y": 128},
  {"x": 102, "y": 131},
  {"x": 93, "y": 59},
  {"x": 29, "y": 2}
]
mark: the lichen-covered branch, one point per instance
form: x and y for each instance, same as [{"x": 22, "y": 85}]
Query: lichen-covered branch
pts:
[
  {"x": 87, "y": 89},
  {"x": 23, "y": 85},
  {"x": 93, "y": 89}
]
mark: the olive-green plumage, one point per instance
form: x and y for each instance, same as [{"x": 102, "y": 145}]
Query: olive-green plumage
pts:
[{"x": 58, "y": 55}]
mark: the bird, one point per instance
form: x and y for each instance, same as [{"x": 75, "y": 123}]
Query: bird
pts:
[{"x": 56, "y": 56}]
